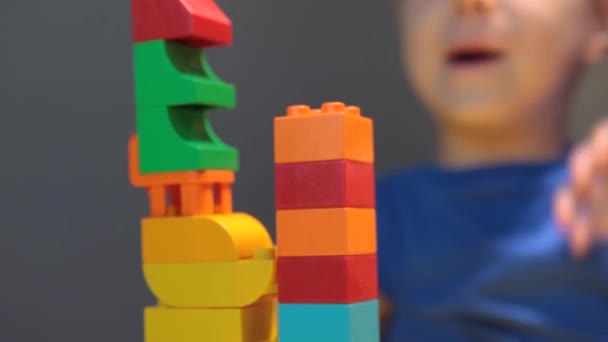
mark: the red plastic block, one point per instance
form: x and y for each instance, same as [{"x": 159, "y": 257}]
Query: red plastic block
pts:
[
  {"x": 336, "y": 279},
  {"x": 199, "y": 23},
  {"x": 325, "y": 184}
]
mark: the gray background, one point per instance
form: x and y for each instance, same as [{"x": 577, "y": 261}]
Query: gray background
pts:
[{"x": 69, "y": 238}]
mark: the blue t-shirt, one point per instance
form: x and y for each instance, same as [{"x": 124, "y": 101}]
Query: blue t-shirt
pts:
[{"x": 475, "y": 255}]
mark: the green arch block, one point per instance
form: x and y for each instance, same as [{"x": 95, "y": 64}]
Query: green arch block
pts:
[
  {"x": 173, "y": 74},
  {"x": 181, "y": 138},
  {"x": 175, "y": 88}
]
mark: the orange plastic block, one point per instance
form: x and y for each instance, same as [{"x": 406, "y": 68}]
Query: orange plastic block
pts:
[
  {"x": 190, "y": 192},
  {"x": 318, "y": 232},
  {"x": 202, "y": 238},
  {"x": 333, "y": 132}
]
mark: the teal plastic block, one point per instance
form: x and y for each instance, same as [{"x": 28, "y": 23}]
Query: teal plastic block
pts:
[
  {"x": 358, "y": 322},
  {"x": 181, "y": 139},
  {"x": 174, "y": 74}
]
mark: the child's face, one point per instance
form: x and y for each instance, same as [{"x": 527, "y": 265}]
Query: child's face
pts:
[{"x": 492, "y": 64}]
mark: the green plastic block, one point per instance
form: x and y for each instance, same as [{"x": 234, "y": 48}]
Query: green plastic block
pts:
[
  {"x": 358, "y": 322},
  {"x": 181, "y": 138},
  {"x": 174, "y": 74},
  {"x": 175, "y": 88}
]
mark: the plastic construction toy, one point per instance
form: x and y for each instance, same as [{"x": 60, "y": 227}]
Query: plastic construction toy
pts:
[
  {"x": 212, "y": 271},
  {"x": 199, "y": 23},
  {"x": 326, "y": 229},
  {"x": 215, "y": 273}
]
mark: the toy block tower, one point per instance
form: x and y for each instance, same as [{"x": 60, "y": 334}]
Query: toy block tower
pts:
[
  {"x": 212, "y": 270},
  {"x": 326, "y": 229}
]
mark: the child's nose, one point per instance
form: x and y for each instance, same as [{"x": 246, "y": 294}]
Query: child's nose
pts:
[{"x": 474, "y": 6}]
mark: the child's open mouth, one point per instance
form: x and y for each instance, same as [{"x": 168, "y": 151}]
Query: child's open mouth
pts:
[{"x": 473, "y": 56}]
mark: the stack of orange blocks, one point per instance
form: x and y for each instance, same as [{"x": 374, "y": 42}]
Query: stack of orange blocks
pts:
[{"x": 326, "y": 229}]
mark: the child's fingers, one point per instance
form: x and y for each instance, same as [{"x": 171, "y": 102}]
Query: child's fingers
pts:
[
  {"x": 599, "y": 227},
  {"x": 581, "y": 168},
  {"x": 385, "y": 308},
  {"x": 598, "y": 207},
  {"x": 581, "y": 238},
  {"x": 587, "y": 193},
  {"x": 600, "y": 147},
  {"x": 564, "y": 208}
]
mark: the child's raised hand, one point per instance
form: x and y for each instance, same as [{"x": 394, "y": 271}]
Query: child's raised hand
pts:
[{"x": 581, "y": 206}]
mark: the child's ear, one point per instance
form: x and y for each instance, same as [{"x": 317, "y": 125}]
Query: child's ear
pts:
[{"x": 597, "y": 48}]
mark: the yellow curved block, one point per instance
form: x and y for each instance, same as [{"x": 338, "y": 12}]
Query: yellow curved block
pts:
[
  {"x": 202, "y": 238},
  {"x": 214, "y": 283},
  {"x": 254, "y": 323}
]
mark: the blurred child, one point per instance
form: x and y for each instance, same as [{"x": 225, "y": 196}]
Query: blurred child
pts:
[{"x": 501, "y": 237}]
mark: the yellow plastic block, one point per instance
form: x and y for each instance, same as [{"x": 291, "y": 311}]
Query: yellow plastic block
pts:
[
  {"x": 215, "y": 283},
  {"x": 254, "y": 323},
  {"x": 182, "y": 239}
]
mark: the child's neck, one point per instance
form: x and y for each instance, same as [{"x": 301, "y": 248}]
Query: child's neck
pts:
[{"x": 458, "y": 150}]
